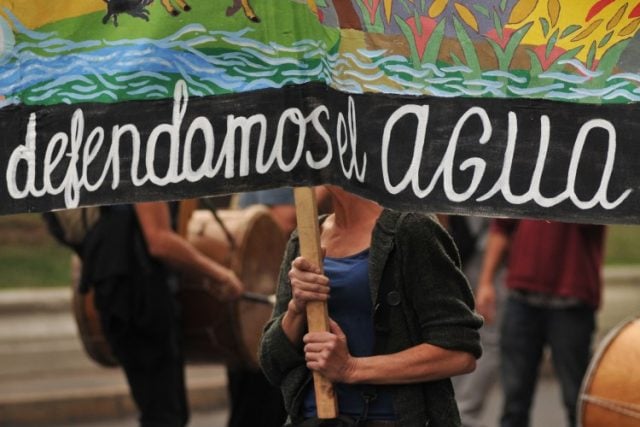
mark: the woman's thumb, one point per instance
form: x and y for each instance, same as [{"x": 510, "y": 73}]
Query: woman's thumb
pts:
[{"x": 335, "y": 328}]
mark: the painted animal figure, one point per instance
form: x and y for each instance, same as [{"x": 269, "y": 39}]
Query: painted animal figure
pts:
[
  {"x": 172, "y": 10},
  {"x": 246, "y": 8},
  {"x": 135, "y": 8},
  {"x": 231, "y": 10}
]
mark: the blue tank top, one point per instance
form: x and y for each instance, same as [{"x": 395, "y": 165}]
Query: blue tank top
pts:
[{"x": 350, "y": 306}]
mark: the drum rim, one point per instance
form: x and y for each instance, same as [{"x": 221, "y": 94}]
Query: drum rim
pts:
[
  {"x": 260, "y": 211},
  {"x": 595, "y": 362},
  {"x": 256, "y": 213}
]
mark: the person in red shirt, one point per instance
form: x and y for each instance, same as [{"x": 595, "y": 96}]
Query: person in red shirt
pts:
[{"x": 554, "y": 280}]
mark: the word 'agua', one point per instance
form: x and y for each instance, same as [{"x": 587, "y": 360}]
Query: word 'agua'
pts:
[{"x": 445, "y": 170}]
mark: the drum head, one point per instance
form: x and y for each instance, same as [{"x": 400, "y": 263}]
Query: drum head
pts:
[
  {"x": 230, "y": 332},
  {"x": 610, "y": 394},
  {"x": 257, "y": 264}
]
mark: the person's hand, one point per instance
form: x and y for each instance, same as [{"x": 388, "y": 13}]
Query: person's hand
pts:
[
  {"x": 328, "y": 354},
  {"x": 307, "y": 284},
  {"x": 230, "y": 288},
  {"x": 486, "y": 301}
]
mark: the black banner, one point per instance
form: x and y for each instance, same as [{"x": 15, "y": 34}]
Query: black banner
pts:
[{"x": 492, "y": 157}]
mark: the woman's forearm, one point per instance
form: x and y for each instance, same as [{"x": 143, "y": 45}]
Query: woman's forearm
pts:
[
  {"x": 424, "y": 362},
  {"x": 294, "y": 325}
]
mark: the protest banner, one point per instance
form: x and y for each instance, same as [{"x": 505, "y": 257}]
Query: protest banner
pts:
[{"x": 495, "y": 107}]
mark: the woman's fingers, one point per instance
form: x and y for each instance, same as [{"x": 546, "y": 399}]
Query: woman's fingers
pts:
[
  {"x": 309, "y": 281},
  {"x": 303, "y": 264},
  {"x": 308, "y": 284},
  {"x": 318, "y": 353},
  {"x": 312, "y": 276},
  {"x": 328, "y": 354},
  {"x": 306, "y": 296},
  {"x": 318, "y": 337},
  {"x": 313, "y": 287},
  {"x": 319, "y": 346}
]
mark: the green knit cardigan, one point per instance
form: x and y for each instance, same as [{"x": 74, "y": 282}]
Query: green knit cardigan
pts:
[{"x": 416, "y": 258}]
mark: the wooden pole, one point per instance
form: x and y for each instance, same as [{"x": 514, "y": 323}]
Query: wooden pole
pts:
[{"x": 317, "y": 314}]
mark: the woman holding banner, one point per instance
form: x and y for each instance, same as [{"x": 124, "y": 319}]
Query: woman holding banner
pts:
[{"x": 391, "y": 364}]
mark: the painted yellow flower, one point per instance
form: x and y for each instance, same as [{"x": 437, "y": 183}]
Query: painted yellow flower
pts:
[
  {"x": 438, "y": 7},
  {"x": 593, "y": 25}
]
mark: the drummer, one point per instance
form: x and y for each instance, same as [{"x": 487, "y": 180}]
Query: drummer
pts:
[
  {"x": 394, "y": 370},
  {"x": 554, "y": 279},
  {"x": 128, "y": 260}
]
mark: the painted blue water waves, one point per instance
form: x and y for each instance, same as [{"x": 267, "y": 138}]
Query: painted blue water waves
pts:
[{"x": 47, "y": 69}]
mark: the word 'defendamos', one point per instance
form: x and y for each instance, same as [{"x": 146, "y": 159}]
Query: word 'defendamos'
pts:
[{"x": 82, "y": 151}]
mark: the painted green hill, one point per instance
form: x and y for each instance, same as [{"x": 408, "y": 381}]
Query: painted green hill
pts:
[{"x": 282, "y": 22}]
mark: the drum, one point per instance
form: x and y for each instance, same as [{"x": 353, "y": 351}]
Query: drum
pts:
[
  {"x": 88, "y": 320},
  {"x": 250, "y": 243},
  {"x": 610, "y": 394}
]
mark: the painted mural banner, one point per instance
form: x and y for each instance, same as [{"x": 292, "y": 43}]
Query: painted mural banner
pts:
[{"x": 521, "y": 108}]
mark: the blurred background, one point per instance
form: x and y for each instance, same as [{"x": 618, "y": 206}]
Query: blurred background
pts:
[{"x": 46, "y": 378}]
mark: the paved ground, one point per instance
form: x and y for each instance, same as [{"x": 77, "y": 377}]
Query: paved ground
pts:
[
  {"x": 46, "y": 378},
  {"x": 547, "y": 411},
  {"x": 216, "y": 418}
]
